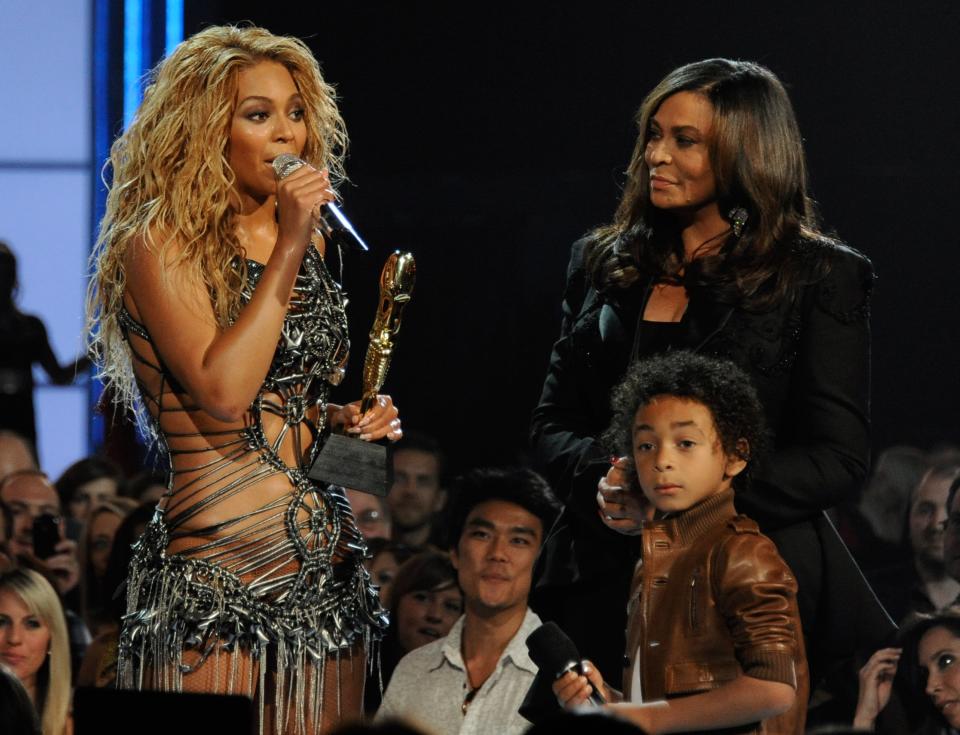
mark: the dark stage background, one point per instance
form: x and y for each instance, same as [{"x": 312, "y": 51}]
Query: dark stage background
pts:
[{"x": 487, "y": 137}]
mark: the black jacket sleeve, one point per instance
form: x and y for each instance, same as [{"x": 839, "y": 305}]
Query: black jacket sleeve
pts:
[
  {"x": 565, "y": 425},
  {"x": 822, "y": 441}
]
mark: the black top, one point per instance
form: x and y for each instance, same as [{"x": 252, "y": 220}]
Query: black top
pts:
[{"x": 654, "y": 338}]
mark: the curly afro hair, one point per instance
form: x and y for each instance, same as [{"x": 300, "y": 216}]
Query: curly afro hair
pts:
[{"x": 718, "y": 384}]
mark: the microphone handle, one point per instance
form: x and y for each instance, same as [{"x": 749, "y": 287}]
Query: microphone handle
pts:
[
  {"x": 577, "y": 666},
  {"x": 335, "y": 227}
]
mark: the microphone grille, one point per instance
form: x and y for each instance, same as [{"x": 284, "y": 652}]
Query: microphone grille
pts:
[
  {"x": 550, "y": 648},
  {"x": 285, "y": 164}
]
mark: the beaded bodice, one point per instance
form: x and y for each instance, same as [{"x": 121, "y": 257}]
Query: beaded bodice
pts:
[
  {"x": 310, "y": 358},
  {"x": 311, "y": 353},
  {"x": 245, "y": 552}
]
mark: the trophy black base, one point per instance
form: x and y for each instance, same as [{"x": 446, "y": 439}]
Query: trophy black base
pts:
[{"x": 352, "y": 463}]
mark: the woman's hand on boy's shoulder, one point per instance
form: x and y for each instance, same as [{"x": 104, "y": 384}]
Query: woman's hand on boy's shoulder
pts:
[{"x": 622, "y": 505}]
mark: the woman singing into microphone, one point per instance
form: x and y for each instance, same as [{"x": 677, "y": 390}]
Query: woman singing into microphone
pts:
[{"x": 216, "y": 316}]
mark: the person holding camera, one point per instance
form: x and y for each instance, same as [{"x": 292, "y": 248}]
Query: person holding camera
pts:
[
  {"x": 36, "y": 538},
  {"x": 36, "y": 526}
]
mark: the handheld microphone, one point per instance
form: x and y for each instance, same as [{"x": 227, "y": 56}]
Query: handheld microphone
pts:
[
  {"x": 553, "y": 651},
  {"x": 334, "y": 226}
]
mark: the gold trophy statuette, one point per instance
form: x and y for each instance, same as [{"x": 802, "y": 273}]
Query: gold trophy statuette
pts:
[
  {"x": 351, "y": 462},
  {"x": 396, "y": 288}
]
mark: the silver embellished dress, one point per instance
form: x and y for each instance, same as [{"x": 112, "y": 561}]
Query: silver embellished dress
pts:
[{"x": 247, "y": 561}]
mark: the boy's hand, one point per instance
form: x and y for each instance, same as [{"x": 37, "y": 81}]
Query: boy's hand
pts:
[
  {"x": 621, "y": 508},
  {"x": 573, "y": 689}
]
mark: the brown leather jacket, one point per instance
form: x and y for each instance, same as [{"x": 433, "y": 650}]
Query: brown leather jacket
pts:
[{"x": 712, "y": 599}]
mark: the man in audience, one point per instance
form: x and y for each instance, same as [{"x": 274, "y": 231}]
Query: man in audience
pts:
[
  {"x": 474, "y": 679},
  {"x": 922, "y": 583},
  {"x": 951, "y": 535},
  {"x": 24, "y": 496},
  {"x": 371, "y": 514},
  {"x": 416, "y": 495},
  {"x": 873, "y": 527},
  {"x": 27, "y": 495}
]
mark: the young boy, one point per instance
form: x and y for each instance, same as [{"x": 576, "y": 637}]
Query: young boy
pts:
[{"x": 713, "y": 629}]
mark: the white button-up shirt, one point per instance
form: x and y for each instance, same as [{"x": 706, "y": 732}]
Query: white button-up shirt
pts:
[{"x": 430, "y": 683}]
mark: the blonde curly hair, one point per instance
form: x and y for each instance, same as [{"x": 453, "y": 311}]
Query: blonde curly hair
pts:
[{"x": 171, "y": 180}]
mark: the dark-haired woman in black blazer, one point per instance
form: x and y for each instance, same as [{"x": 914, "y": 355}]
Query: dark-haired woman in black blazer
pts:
[{"x": 714, "y": 248}]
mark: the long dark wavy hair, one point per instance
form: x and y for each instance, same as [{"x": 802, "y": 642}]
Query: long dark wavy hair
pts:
[
  {"x": 757, "y": 158},
  {"x": 911, "y": 676}
]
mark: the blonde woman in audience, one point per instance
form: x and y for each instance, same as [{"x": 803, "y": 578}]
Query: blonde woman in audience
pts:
[{"x": 34, "y": 645}]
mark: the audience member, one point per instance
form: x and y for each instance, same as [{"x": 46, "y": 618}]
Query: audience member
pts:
[
  {"x": 15, "y": 454},
  {"x": 146, "y": 487},
  {"x": 34, "y": 645},
  {"x": 99, "y": 666},
  {"x": 87, "y": 483},
  {"x": 922, "y": 669},
  {"x": 417, "y": 495},
  {"x": 17, "y": 714},
  {"x": 28, "y": 495},
  {"x": 872, "y": 525},
  {"x": 712, "y": 592},
  {"x": 920, "y": 582},
  {"x": 426, "y": 603},
  {"x": 886, "y": 498},
  {"x": 385, "y": 558},
  {"x": 475, "y": 678},
  {"x": 371, "y": 513},
  {"x": 427, "y": 600},
  {"x": 101, "y": 529},
  {"x": 951, "y": 533}
]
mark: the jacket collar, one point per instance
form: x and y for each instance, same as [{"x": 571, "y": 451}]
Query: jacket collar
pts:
[{"x": 688, "y": 525}]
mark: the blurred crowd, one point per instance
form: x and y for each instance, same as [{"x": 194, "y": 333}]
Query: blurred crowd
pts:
[{"x": 65, "y": 544}]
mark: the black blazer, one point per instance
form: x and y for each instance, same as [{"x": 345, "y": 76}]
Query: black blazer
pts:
[{"x": 809, "y": 359}]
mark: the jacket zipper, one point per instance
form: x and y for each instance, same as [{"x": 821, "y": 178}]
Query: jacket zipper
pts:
[{"x": 693, "y": 602}]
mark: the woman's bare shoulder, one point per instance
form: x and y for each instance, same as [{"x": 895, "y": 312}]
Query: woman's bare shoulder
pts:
[{"x": 155, "y": 271}]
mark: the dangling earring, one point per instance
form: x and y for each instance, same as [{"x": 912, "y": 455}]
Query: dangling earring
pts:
[{"x": 738, "y": 218}]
